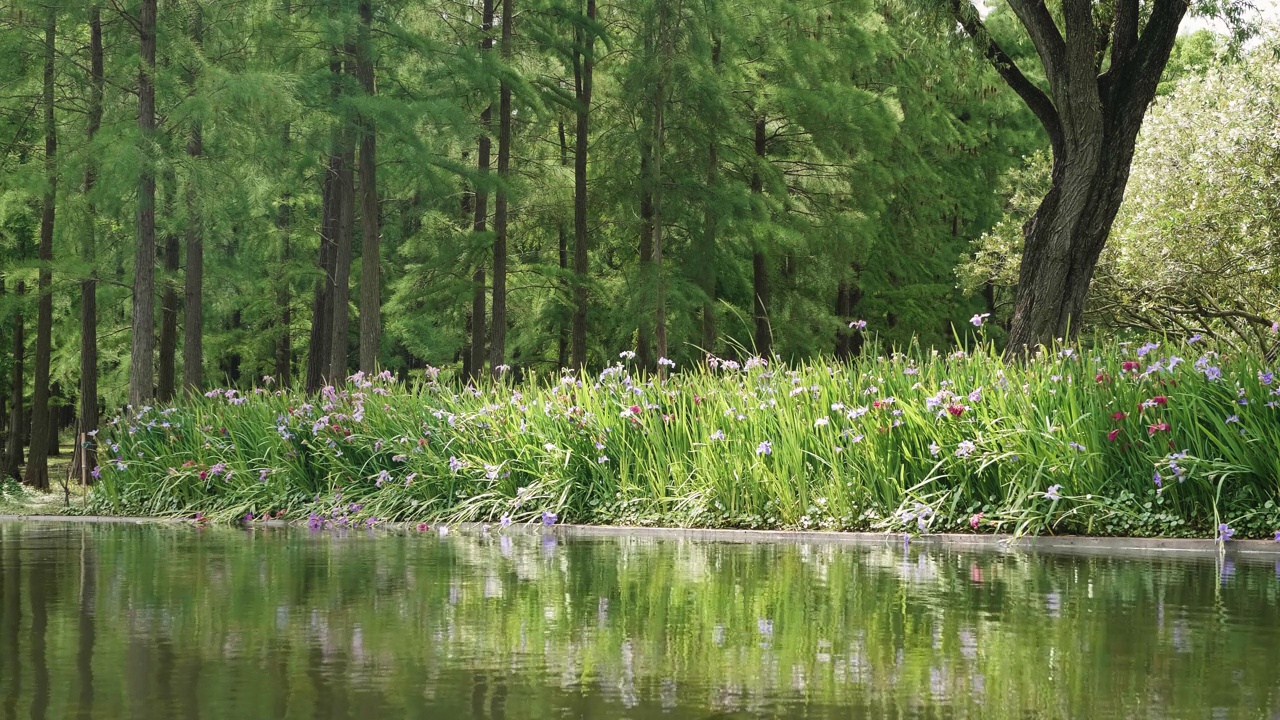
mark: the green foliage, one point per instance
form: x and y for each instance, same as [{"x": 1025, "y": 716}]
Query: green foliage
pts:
[
  {"x": 1194, "y": 247},
  {"x": 886, "y": 135},
  {"x": 1068, "y": 442}
]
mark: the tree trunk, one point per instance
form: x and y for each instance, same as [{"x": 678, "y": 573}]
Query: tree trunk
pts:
[
  {"x": 322, "y": 306},
  {"x": 848, "y": 343},
  {"x": 710, "y": 226},
  {"x": 1092, "y": 118},
  {"x": 166, "y": 371},
  {"x": 707, "y": 253},
  {"x": 584, "y": 61},
  {"x": 340, "y": 345},
  {"x": 38, "y": 457},
  {"x": 498, "y": 339},
  {"x": 759, "y": 262},
  {"x": 659, "y": 275},
  {"x": 141, "y": 356},
  {"x": 321, "y": 339},
  {"x": 284, "y": 296},
  {"x": 1063, "y": 240},
  {"x": 644, "y": 330},
  {"x": 193, "y": 289},
  {"x": 370, "y": 248},
  {"x": 478, "y": 354},
  {"x": 86, "y": 445},
  {"x": 13, "y": 454},
  {"x": 562, "y": 351}
]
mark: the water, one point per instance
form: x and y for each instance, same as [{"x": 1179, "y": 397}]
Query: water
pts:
[{"x": 115, "y": 621}]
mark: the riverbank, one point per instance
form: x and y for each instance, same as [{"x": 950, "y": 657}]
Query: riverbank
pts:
[{"x": 1156, "y": 440}]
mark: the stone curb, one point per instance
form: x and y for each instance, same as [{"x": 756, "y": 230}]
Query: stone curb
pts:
[{"x": 1056, "y": 545}]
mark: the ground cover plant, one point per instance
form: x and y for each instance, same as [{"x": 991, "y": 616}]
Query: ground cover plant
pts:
[{"x": 1165, "y": 438}]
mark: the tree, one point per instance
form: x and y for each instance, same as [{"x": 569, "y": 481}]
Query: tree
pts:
[
  {"x": 38, "y": 457},
  {"x": 371, "y": 247},
  {"x": 1102, "y": 73},
  {"x": 193, "y": 280},
  {"x": 1193, "y": 248},
  {"x": 141, "y": 360},
  {"x": 498, "y": 341},
  {"x": 583, "y": 69},
  {"x": 86, "y": 455}
]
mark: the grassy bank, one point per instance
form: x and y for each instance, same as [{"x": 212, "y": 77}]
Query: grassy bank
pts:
[{"x": 1162, "y": 439}]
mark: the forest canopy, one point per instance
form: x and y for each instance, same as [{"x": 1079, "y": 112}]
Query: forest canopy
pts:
[{"x": 205, "y": 193}]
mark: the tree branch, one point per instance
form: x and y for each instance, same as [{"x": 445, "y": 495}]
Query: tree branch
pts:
[
  {"x": 1124, "y": 34},
  {"x": 1133, "y": 88},
  {"x": 1052, "y": 49},
  {"x": 967, "y": 15}
]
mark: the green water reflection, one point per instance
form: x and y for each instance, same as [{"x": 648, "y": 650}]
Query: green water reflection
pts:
[{"x": 117, "y": 621}]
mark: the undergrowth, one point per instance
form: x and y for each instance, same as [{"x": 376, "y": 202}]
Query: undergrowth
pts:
[{"x": 1169, "y": 439}]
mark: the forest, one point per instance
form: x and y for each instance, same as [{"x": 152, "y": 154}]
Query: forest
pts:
[{"x": 262, "y": 192}]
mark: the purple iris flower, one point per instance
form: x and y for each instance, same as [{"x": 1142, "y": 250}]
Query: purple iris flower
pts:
[{"x": 548, "y": 518}]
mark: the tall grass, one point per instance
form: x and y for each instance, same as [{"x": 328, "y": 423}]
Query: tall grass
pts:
[{"x": 1162, "y": 439}]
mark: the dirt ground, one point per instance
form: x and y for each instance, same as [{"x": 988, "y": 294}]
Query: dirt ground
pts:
[{"x": 18, "y": 499}]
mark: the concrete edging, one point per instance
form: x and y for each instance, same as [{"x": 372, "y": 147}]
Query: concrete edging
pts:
[{"x": 1048, "y": 544}]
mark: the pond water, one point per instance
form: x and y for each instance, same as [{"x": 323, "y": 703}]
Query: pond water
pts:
[{"x": 114, "y": 621}]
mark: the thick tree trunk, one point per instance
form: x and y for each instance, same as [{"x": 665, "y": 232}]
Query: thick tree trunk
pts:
[
  {"x": 13, "y": 454},
  {"x": 193, "y": 287},
  {"x": 583, "y": 69},
  {"x": 1092, "y": 119},
  {"x": 1064, "y": 239},
  {"x": 166, "y": 371},
  {"x": 370, "y": 247},
  {"x": 498, "y": 335},
  {"x": 86, "y": 451},
  {"x": 38, "y": 457},
  {"x": 141, "y": 356},
  {"x": 759, "y": 261}
]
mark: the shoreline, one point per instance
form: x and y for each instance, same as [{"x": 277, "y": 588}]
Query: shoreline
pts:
[{"x": 1078, "y": 545}]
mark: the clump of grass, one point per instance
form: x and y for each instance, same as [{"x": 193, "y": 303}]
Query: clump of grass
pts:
[{"x": 1115, "y": 439}]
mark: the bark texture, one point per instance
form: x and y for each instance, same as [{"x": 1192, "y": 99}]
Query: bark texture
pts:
[
  {"x": 498, "y": 334},
  {"x": 760, "y": 261},
  {"x": 37, "y": 475},
  {"x": 1092, "y": 118},
  {"x": 479, "y": 226},
  {"x": 86, "y": 455},
  {"x": 141, "y": 356},
  {"x": 193, "y": 282},
  {"x": 371, "y": 239},
  {"x": 583, "y": 68}
]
